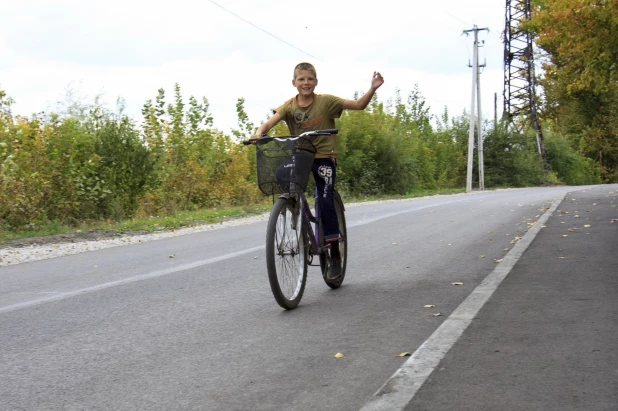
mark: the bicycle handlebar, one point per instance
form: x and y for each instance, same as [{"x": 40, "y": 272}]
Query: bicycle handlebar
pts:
[{"x": 326, "y": 132}]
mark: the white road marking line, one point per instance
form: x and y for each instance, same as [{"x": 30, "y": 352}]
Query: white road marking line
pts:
[
  {"x": 408, "y": 210},
  {"x": 401, "y": 387},
  {"x": 159, "y": 273},
  {"x": 69, "y": 294}
]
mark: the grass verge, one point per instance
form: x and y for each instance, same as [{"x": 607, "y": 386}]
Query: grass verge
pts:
[{"x": 181, "y": 219}]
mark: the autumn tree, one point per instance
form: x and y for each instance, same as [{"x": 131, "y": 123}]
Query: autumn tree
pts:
[{"x": 580, "y": 82}]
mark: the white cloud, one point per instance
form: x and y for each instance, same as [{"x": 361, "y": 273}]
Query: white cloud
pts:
[{"x": 132, "y": 48}]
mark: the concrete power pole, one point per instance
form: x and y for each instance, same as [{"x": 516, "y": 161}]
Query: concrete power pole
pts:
[
  {"x": 475, "y": 90},
  {"x": 480, "y": 127}
]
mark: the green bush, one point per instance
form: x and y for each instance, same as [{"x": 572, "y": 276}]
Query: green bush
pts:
[
  {"x": 569, "y": 165},
  {"x": 511, "y": 159}
]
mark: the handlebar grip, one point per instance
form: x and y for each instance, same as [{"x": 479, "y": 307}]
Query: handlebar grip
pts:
[
  {"x": 331, "y": 131},
  {"x": 246, "y": 142}
]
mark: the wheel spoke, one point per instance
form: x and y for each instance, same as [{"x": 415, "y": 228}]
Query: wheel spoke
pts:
[{"x": 289, "y": 258}]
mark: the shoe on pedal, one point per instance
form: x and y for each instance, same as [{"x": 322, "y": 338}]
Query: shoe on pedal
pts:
[
  {"x": 334, "y": 269},
  {"x": 333, "y": 238}
]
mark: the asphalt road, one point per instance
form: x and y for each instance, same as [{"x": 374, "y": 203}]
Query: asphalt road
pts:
[{"x": 129, "y": 328}]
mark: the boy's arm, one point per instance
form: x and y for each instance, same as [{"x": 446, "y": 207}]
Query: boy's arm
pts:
[
  {"x": 361, "y": 103},
  {"x": 265, "y": 127}
]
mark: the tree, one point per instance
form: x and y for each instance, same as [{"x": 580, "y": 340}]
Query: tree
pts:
[
  {"x": 580, "y": 83},
  {"x": 245, "y": 127}
]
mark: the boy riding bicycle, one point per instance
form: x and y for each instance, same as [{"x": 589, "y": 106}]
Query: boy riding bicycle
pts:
[{"x": 308, "y": 112}]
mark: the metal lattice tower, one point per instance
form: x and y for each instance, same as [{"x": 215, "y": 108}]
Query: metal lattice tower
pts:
[{"x": 519, "y": 78}]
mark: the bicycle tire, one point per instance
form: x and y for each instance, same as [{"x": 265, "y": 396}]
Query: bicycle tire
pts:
[
  {"x": 286, "y": 254},
  {"x": 343, "y": 247}
]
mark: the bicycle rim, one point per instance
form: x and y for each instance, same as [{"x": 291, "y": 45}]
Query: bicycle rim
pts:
[{"x": 286, "y": 254}]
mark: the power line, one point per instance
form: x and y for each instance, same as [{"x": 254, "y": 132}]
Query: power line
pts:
[
  {"x": 259, "y": 28},
  {"x": 456, "y": 18}
]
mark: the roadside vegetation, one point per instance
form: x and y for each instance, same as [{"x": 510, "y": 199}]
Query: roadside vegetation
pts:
[{"x": 91, "y": 168}]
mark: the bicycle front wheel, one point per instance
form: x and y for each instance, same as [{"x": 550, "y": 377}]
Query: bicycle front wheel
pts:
[{"x": 286, "y": 253}]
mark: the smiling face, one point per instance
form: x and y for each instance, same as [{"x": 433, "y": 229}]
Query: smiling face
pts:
[{"x": 305, "y": 82}]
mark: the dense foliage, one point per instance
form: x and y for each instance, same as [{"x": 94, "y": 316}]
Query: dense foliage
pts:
[
  {"x": 100, "y": 165},
  {"x": 579, "y": 39},
  {"x": 92, "y": 164}
]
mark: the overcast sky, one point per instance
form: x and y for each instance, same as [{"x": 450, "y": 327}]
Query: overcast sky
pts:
[{"x": 131, "y": 48}]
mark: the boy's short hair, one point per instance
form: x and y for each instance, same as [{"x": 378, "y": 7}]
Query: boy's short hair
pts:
[{"x": 305, "y": 66}]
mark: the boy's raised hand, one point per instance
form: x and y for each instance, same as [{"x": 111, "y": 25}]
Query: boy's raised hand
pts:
[{"x": 377, "y": 80}]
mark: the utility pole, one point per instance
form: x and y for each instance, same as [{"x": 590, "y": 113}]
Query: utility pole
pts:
[
  {"x": 480, "y": 128},
  {"x": 476, "y": 88},
  {"x": 495, "y": 111}
]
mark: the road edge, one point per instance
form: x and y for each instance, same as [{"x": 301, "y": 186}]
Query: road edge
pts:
[{"x": 397, "y": 392}]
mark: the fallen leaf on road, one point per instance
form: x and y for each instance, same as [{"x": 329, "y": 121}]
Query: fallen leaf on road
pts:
[
  {"x": 506, "y": 249},
  {"x": 498, "y": 261},
  {"x": 457, "y": 283},
  {"x": 586, "y": 225},
  {"x": 435, "y": 314},
  {"x": 481, "y": 256},
  {"x": 255, "y": 258},
  {"x": 576, "y": 216},
  {"x": 614, "y": 220},
  {"x": 571, "y": 230},
  {"x": 394, "y": 243},
  {"x": 429, "y": 306},
  {"x": 564, "y": 235},
  {"x": 561, "y": 257},
  {"x": 172, "y": 255},
  {"x": 404, "y": 354},
  {"x": 338, "y": 355}
]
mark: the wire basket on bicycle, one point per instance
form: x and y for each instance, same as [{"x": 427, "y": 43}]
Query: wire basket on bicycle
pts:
[{"x": 284, "y": 165}]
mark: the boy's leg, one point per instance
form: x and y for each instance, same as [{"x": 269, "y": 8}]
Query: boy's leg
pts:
[{"x": 325, "y": 174}]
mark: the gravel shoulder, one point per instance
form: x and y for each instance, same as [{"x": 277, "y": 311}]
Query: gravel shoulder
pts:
[{"x": 39, "y": 248}]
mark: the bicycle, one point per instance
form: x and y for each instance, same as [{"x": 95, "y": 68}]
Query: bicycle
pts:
[{"x": 294, "y": 234}]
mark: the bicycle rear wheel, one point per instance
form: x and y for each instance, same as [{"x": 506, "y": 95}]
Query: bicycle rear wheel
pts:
[
  {"x": 286, "y": 253},
  {"x": 343, "y": 246}
]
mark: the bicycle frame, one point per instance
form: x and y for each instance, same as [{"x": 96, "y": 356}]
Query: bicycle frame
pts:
[{"x": 312, "y": 218}]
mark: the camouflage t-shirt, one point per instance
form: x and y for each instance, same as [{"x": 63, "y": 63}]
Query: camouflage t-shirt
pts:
[{"x": 320, "y": 115}]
